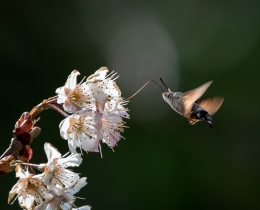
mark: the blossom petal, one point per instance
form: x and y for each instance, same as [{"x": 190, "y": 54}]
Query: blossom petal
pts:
[
  {"x": 91, "y": 145},
  {"x": 81, "y": 183},
  {"x": 99, "y": 75},
  {"x": 81, "y": 129},
  {"x": 30, "y": 190},
  {"x": 70, "y": 107},
  {"x": 42, "y": 206},
  {"x": 72, "y": 80},
  {"x": 70, "y": 161},
  {"x": 73, "y": 144},
  {"x": 51, "y": 152},
  {"x": 12, "y": 193},
  {"x": 26, "y": 201},
  {"x": 64, "y": 125},
  {"x": 62, "y": 95},
  {"x": 82, "y": 208}
]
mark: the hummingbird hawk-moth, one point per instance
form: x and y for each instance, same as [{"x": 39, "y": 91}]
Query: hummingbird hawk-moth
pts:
[{"x": 190, "y": 106}]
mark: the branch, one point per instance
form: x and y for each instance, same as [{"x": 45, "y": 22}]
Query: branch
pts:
[{"x": 13, "y": 149}]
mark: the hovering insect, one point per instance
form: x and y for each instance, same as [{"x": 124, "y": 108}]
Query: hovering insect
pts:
[{"x": 188, "y": 105}]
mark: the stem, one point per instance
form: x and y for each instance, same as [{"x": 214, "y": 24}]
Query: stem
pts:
[
  {"x": 58, "y": 110},
  {"x": 42, "y": 106},
  {"x": 30, "y": 164},
  {"x": 13, "y": 149}
]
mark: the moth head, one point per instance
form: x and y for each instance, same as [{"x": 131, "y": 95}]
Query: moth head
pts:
[{"x": 167, "y": 96}]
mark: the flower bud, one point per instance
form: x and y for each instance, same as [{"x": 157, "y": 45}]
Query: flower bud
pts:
[
  {"x": 25, "y": 154},
  {"x": 5, "y": 165},
  {"x": 24, "y": 124}
]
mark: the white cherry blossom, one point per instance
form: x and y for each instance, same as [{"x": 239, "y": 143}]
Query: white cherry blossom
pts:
[
  {"x": 30, "y": 190},
  {"x": 75, "y": 97},
  {"x": 64, "y": 200},
  {"x": 81, "y": 129},
  {"x": 56, "y": 175},
  {"x": 100, "y": 81},
  {"x": 112, "y": 122},
  {"x": 112, "y": 109}
]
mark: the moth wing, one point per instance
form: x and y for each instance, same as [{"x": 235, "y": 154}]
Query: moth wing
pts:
[
  {"x": 191, "y": 96},
  {"x": 211, "y": 105}
]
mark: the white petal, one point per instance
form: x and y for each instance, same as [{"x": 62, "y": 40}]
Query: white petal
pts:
[
  {"x": 72, "y": 145},
  {"x": 71, "y": 107},
  {"x": 44, "y": 194},
  {"x": 82, "y": 208},
  {"x": 61, "y": 95},
  {"x": 20, "y": 172},
  {"x": 81, "y": 183},
  {"x": 68, "y": 205},
  {"x": 100, "y": 97},
  {"x": 50, "y": 205},
  {"x": 64, "y": 125},
  {"x": 56, "y": 190},
  {"x": 102, "y": 72},
  {"x": 97, "y": 116},
  {"x": 111, "y": 137},
  {"x": 47, "y": 176},
  {"x": 26, "y": 201},
  {"x": 60, "y": 90},
  {"x": 90, "y": 144},
  {"x": 13, "y": 191},
  {"x": 72, "y": 80},
  {"x": 51, "y": 152},
  {"x": 61, "y": 99},
  {"x": 71, "y": 161},
  {"x": 110, "y": 88},
  {"x": 114, "y": 119},
  {"x": 98, "y": 75},
  {"x": 66, "y": 179},
  {"x": 42, "y": 206},
  {"x": 96, "y": 149}
]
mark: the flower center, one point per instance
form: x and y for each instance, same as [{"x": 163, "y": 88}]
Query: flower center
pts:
[
  {"x": 75, "y": 125},
  {"x": 75, "y": 95}
]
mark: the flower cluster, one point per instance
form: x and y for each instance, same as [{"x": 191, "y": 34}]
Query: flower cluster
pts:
[
  {"x": 96, "y": 108},
  {"x": 54, "y": 188},
  {"x": 94, "y": 112}
]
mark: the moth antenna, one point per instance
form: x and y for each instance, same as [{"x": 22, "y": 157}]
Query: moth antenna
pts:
[
  {"x": 142, "y": 88},
  {"x": 164, "y": 84}
]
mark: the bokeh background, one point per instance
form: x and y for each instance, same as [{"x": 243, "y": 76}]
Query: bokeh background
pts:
[{"x": 164, "y": 163}]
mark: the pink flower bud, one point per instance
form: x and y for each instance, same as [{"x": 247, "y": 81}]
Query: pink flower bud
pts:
[
  {"x": 24, "y": 124},
  {"x": 25, "y": 154}
]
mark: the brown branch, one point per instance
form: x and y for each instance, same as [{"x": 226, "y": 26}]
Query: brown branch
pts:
[{"x": 13, "y": 149}]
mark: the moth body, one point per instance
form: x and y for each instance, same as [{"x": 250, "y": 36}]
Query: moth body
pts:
[{"x": 188, "y": 105}]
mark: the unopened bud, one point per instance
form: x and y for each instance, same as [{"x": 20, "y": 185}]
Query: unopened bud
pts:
[
  {"x": 35, "y": 132},
  {"x": 5, "y": 165},
  {"x": 25, "y": 154},
  {"x": 24, "y": 124}
]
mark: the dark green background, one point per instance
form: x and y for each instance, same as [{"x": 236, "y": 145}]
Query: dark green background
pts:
[{"x": 165, "y": 163}]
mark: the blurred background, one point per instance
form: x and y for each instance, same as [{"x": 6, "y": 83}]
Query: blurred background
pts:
[{"x": 164, "y": 163}]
